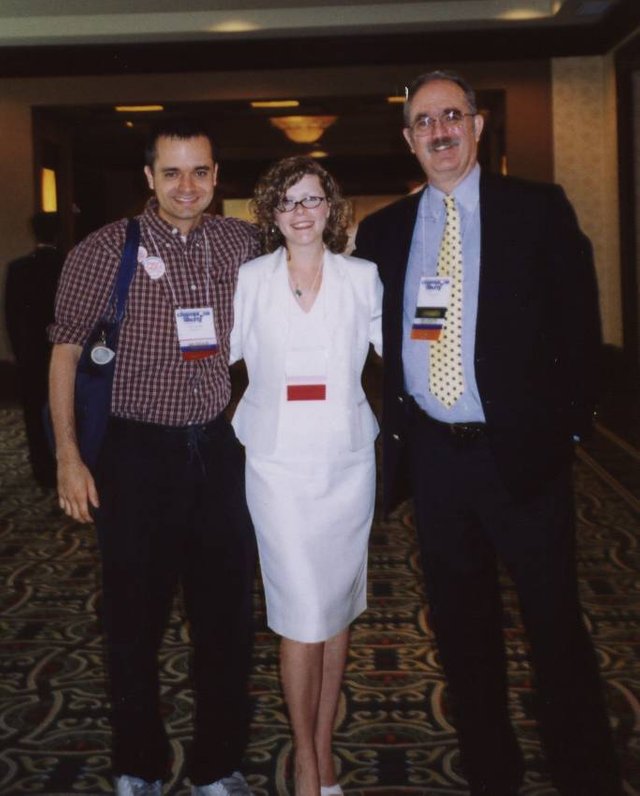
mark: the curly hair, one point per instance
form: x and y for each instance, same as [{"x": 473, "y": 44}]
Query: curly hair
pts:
[{"x": 272, "y": 187}]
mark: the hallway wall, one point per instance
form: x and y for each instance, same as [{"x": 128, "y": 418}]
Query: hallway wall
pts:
[
  {"x": 586, "y": 164},
  {"x": 17, "y": 195}
]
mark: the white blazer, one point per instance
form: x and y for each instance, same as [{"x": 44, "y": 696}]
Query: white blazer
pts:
[{"x": 353, "y": 306}]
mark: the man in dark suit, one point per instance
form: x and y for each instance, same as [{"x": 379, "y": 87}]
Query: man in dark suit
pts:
[
  {"x": 29, "y": 295},
  {"x": 490, "y": 361}
]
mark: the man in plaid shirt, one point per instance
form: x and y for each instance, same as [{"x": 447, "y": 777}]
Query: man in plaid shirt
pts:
[{"x": 168, "y": 492}]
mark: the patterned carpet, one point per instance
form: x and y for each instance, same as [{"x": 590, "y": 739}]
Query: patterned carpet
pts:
[{"x": 54, "y": 734}]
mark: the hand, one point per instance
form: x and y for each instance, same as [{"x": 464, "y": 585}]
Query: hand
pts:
[{"x": 76, "y": 490}]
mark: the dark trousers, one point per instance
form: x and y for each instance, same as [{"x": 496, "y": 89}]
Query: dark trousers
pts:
[
  {"x": 466, "y": 520},
  {"x": 33, "y": 379},
  {"x": 173, "y": 513}
]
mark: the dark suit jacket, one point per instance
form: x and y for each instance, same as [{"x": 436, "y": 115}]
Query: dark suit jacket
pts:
[
  {"x": 30, "y": 292},
  {"x": 537, "y": 334}
]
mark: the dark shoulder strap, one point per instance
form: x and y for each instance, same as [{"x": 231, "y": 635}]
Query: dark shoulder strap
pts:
[{"x": 128, "y": 263}]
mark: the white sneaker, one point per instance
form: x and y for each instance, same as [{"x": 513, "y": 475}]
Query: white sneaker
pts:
[
  {"x": 235, "y": 785},
  {"x": 127, "y": 785},
  {"x": 331, "y": 790}
]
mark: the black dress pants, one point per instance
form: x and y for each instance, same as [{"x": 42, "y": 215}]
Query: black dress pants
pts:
[
  {"x": 34, "y": 383},
  {"x": 466, "y": 520},
  {"x": 173, "y": 514}
]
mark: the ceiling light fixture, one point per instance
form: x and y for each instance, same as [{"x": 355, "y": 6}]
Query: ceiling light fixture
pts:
[
  {"x": 303, "y": 129},
  {"x": 234, "y": 26},
  {"x": 139, "y": 108},
  {"x": 275, "y": 104},
  {"x": 525, "y": 13}
]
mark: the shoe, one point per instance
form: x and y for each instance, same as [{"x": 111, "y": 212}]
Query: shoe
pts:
[
  {"x": 127, "y": 785},
  {"x": 235, "y": 785},
  {"x": 331, "y": 790}
]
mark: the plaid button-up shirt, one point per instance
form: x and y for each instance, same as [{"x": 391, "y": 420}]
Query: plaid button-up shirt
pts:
[{"x": 152, "y": 382}]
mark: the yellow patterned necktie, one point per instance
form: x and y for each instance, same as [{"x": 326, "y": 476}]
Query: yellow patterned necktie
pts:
[{"x": 446, "y": 376}]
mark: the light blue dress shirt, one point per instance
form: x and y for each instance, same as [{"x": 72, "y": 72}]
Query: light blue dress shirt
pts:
[{"x": 423, "y": 261}]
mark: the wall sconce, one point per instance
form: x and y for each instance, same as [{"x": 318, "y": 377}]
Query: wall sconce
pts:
[
  {"x": 303, "y": 129},
  {"x": 48, "y": 191}
]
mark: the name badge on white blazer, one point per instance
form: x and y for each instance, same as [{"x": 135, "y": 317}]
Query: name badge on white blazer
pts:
[{"x": 306, "y": 374}]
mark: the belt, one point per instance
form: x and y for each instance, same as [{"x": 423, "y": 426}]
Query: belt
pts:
[
  {"x": 156, "y": 430},
  {"x": 463, "y": 432}
]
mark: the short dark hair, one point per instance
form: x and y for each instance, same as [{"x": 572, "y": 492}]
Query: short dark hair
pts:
[
  {"x": 182, "y": 127},
  {"x": 274, "y": 184},
  {"x": 46, "y": 227},
  {"x": 430, "y": 77}
]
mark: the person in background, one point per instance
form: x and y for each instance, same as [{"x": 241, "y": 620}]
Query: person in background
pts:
[
  {"x": 491, "y": 339},
  {"x": 304, "y": 316},
  {"x": 29, "y": 297},
  {"x": 168, "y": 493}
]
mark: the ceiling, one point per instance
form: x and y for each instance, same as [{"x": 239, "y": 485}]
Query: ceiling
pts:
[
  {"x": 46, "y": 22},
  {"x": 56, "y": 37}
]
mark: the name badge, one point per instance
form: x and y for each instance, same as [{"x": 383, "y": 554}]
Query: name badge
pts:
[
  {"x": 434, "y": 297},
  {"x": 196, "y": 333},
  {"x": 306, "y": 374}
]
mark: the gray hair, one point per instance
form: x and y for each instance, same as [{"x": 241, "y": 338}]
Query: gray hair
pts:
[{"x": 430, "y": 77}]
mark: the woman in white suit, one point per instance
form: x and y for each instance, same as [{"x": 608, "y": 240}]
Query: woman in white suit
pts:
[{"x": 304, "y": 318}]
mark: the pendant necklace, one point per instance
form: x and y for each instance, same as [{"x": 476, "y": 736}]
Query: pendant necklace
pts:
[{"x": 297, "y": 290}]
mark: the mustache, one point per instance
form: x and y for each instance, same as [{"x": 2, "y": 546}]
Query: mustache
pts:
[{"x": 444, "y": 140}]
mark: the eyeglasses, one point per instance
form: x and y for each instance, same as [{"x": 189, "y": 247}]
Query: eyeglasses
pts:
[
  {"x": 310, "y": 202},
  {"x": 424, "y": 125}
]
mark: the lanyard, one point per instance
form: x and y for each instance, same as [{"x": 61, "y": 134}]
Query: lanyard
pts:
[{"x": 207, "y": 254}]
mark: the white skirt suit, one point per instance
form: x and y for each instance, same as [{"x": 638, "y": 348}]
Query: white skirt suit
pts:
[{"x": 310, "y": 472}]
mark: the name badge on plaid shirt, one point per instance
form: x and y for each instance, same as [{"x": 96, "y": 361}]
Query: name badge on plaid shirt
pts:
[{"x": 196, "y": 333}]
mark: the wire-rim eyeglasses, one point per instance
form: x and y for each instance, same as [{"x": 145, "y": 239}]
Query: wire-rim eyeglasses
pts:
[{"x": 425, "y": 124}]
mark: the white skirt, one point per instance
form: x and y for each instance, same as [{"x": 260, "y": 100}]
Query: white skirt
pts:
[{"x": 312, "y": 520}]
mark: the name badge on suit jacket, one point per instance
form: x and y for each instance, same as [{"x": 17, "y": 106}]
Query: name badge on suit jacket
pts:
[{"x": 434, "y": 297}]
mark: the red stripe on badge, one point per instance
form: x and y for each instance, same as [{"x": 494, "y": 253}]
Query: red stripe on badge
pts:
[
  {"x": 306, "y": 392},
  {"x": 198, "y": 353},
  {"x": 426, "y": 334}
]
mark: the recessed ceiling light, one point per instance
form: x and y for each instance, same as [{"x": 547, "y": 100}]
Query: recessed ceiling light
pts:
[
  {"x": 139, "y": 108},
  {"x": 233, "y": 26},
  {"x": 275, "y": 104}
]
